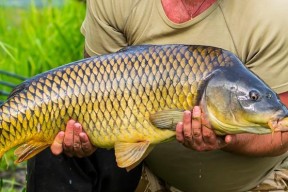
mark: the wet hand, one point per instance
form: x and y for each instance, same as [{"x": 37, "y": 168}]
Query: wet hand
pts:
[
  {"x": 195, "y": 132},
  {"x": 73, "y": 142}
]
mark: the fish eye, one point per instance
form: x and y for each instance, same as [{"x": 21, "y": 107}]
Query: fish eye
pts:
[{"x": 254, "y": 95}]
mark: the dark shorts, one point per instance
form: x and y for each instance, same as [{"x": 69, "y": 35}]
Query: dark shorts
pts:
[{"x": 97, "y": 173}]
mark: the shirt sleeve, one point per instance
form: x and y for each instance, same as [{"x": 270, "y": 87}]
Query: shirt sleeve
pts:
[{"x": 104, "y": 24}]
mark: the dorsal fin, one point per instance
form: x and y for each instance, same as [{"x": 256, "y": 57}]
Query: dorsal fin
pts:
[
  {"x": 18, "y": 89},
  {"x": 133, "y": 48}
]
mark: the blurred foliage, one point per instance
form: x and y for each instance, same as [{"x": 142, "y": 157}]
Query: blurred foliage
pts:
[{"x": 32, "y": 40}]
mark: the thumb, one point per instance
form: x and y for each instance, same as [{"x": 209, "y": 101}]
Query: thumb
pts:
[
  {"x": 57, "y": 147},
  {"x": 230, "y": 139}
]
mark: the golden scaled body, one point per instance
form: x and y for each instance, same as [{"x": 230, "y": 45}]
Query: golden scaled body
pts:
[{"x": 112, "y": 96}]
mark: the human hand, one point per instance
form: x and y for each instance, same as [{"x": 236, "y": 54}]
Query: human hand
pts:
[
  {"x": 195, "y": 132},
  {"x": 73, "y": 142}
]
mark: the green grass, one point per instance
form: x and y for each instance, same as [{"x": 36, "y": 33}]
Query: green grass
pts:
[{"x": 33, "y": 40}]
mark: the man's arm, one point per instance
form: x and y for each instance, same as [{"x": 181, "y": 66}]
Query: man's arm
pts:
[{"x": 192, "y": 134}]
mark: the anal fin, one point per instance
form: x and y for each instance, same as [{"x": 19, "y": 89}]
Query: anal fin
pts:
[
  {"x": 28, "y": 150},
  {"x": 129, "y": 155}
]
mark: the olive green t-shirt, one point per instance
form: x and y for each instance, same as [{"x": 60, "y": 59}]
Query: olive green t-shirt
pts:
[{"x": 254, "y": 30}]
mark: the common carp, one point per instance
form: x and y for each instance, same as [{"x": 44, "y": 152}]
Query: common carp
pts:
[{"x": 132, "y": 100}]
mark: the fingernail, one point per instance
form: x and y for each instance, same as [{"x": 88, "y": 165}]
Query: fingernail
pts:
[
  {"x": 77, "y": 125},
  {"x": 228, "y": 139},
  {"x": 187, "y": 113},
  {"x": 72, "y": 121},
  {"x": 61, "y": 134},
  {"x": 82, "y": 134},
  {"x": 196, "y": 110}
]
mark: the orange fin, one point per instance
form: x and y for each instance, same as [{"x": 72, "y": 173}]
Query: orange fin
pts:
[
  {"x": 28, "y": 150},
  {"x": 129, "y": 155}
]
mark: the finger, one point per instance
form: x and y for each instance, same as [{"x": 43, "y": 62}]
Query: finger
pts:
[
  {"x": 196, "y": 125},
  {"x": 87, "y": 146},
  {"x": 187, "y": 132},
  {"x": 76, "y": 139},
  {"x": 208, "y": 135},
  {"x": 57, "y": 145},
  {"x": 179, "y": 132},
  {"x": 68, "y": 139},
  {"x": 229, "y": 139}
]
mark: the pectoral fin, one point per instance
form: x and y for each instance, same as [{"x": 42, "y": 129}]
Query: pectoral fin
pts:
[
  {"x": 28, "y": 150},
  {"x": 129, "y": 155},
  {"x": 167, "y": 119}
]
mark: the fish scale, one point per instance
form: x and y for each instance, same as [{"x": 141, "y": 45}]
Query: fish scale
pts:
[{"x": 113, "y": 96}]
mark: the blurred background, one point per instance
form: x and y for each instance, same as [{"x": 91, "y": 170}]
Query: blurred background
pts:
[{"x": 35, "y": 36}]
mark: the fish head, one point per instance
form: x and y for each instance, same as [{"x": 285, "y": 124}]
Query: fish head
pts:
[{"x": 237, "y": 101}]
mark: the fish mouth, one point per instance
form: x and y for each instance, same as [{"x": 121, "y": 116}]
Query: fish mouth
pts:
[{"x": 278, "y": 124}]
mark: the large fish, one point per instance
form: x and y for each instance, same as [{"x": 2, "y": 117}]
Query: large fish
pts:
[{"x": 132, "y": 100}]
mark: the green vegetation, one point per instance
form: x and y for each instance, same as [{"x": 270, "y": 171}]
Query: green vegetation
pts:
[{"x": 33, "y": 40}]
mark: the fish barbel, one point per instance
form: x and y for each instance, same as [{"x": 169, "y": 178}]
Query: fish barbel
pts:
[{"x": 132, "y": 100}]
